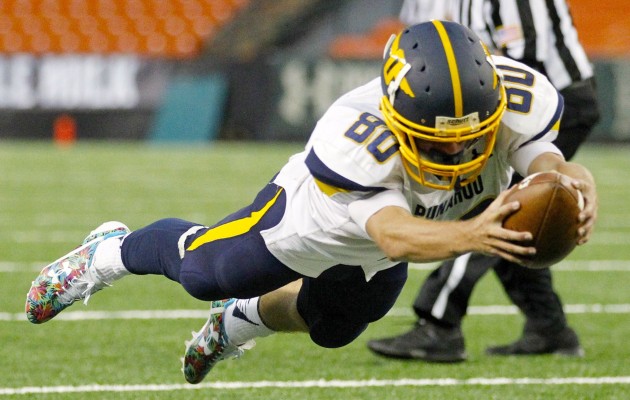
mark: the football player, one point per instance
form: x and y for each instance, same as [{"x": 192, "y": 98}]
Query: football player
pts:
[
  {"x": 543, "y": 37},
  {"x": 412, "y": 166}
]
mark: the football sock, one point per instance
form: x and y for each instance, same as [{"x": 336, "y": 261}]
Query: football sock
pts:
[
  {"x": 155, "y": 249},
  {"x": 107, "y": 261},
  {"x": 243, "y": 323}
]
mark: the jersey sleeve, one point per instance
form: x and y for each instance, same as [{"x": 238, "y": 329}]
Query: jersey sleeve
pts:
[
  {"x": 534, "y": 106},
  {"x": 523, "y": 157},
  {"x": 361, "y": 210},
  {"x": 533, "y": 114},
  {"x": 354, "y": 151}
]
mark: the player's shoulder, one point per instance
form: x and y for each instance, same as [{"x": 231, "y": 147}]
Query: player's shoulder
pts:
[
  {"x": 510, "y": 67},
  {"x": 351, "y": 147},
  {"x": 361, "y": 103},
  {"x": 534, "y": 105}
]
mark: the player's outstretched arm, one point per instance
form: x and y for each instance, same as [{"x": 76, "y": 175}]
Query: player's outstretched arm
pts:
[{"x": 404, "y": 237}]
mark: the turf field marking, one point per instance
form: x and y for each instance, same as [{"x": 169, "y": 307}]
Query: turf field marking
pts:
[
  {"x": 395, "y": 312},
  {"x": 567, "y": 265},
  {"x": 604, "y": 380},
  {"x": 513, "y": 310}
]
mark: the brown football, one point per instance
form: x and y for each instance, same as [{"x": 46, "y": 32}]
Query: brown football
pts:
[{"x": 549, "y": 210}]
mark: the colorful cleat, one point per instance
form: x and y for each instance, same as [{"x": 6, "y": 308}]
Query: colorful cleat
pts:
[
  {"x": 70, "y": 278},
  {"x": 109, "y": 229},
  {"x": 210, "y": 345}
]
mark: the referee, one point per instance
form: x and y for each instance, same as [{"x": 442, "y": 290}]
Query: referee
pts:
[{"x": 541, "y": 34}]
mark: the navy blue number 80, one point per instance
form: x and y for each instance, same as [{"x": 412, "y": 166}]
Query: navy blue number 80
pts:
[
  {"x": 384, "y": 144},
  {"x": 519, "y": 98}
]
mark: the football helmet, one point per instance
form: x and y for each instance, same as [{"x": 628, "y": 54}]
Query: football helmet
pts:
[{"x": 440, "y": 87}]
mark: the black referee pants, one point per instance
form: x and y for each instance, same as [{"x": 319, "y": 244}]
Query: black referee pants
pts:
[{"x": 444, "y": 296}]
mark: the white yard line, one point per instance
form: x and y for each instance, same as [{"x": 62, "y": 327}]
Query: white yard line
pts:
[
  {"x": 604, "y": 380},
  {"x": 567, "y": 265},
  {"x": 395, "y": 312},
  {"x": 513, "y": 310}
]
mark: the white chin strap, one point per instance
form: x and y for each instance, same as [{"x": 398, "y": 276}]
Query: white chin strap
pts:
[
  {"x": 388, "y": 45},
  {"x": 393, "y": 86}
]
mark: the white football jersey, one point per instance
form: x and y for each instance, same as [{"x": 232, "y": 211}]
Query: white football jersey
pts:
[{"x": 351, "y": 168}]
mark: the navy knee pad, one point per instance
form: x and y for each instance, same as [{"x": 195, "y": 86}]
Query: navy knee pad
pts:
[
  {"x": 332, "y": 332},
  {"x": 338, "y": 305},
  {"x": 202, "y": 286}
]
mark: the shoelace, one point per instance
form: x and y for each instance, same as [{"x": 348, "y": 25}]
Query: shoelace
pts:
[{"x": 81, "y": 288}]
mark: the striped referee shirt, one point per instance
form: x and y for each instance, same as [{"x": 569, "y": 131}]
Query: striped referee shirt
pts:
[{"x": 539, "y": 33}]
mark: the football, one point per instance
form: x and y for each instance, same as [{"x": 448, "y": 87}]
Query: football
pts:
[{"x": 549, "y": 210}]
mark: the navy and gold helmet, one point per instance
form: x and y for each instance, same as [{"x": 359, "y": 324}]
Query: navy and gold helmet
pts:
[{"x": 440, "y": 86}]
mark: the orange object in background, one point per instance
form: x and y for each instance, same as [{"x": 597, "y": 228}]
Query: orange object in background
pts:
[
  {"x": 64, "y": 130},
  {"x": 175, "y": 29},
  {"x": 365, "y": 46},
  {"x": 603, "y": 27}
]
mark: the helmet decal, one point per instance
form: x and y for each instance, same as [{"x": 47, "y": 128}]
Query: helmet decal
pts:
[
  {"x": 395, "y": 69},
  {"x": 452, "y": 67}
]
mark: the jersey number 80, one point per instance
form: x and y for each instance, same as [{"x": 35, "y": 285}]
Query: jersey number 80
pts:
[
  {"x": 517, "y": 81},
  {"x": 370, "y": 131}
]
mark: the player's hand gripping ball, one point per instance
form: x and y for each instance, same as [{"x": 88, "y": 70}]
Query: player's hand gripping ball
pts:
[{"x": 549, "y": 210}]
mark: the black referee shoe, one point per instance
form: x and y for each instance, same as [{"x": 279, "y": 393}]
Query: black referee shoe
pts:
[
  {"x": 564, "y": 343},
  {"x": 426, "y": 341}
]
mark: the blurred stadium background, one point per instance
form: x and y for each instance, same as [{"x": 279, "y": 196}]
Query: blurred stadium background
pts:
[{"x": 199, "y": 70}]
